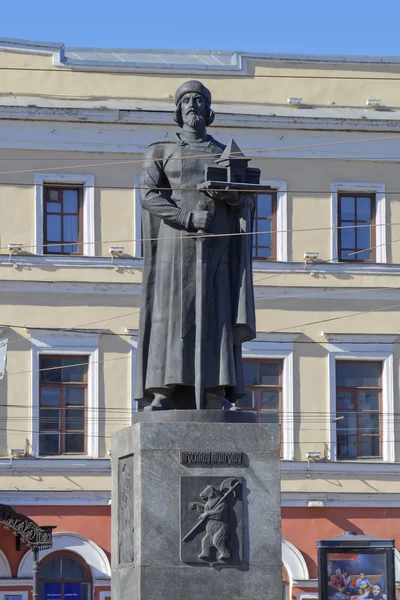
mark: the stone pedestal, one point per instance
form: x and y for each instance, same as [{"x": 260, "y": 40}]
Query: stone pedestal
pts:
[{"x": 162, "y": 548}]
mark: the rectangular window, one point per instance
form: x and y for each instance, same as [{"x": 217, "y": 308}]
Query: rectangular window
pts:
[
  {"x": 358, "y": 409},
  {"x": 264, "y": 238},
  {"x": 62, "y": 404},
  {"x": 63, "y": 220},
  {"x": 263, "y": 383},
  {"x": 356, "y": 222}
]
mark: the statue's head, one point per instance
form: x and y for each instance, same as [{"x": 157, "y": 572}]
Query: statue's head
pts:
[
  {"x": 193, "y": 105},
  {"x": 210, "y": 492}
]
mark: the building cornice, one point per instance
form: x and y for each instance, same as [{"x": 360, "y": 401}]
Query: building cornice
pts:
[
  {"x": 326, "y": 499},
  {"x": 48, "y": 498}
]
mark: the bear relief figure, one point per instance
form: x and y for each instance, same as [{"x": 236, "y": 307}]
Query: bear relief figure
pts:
[{"x": 215, "y": 512}]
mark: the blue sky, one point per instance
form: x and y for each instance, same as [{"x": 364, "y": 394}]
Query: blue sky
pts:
[{"x": 306, "y": 26}]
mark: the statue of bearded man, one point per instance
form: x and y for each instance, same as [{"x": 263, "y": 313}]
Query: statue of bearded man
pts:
[{"x": 173, "y": 208}]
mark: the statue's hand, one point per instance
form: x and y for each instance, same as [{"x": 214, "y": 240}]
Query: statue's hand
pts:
[
  {"x": 192, "y": 506},
  {"x": 201, "y": 219},
  {"x": 203, "y": 516}
]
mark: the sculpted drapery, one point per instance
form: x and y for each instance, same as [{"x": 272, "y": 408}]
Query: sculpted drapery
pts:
[{"x": 165, "y": 373}]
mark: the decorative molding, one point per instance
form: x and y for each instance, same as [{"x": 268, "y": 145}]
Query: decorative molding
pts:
[
  {"x": 39, "y": 498},
  {"x": 365, "y": 352},
  {"x": 5, "y": 569},
  {"x": 31, "y": 534},
  {"x": 294, "y": 562},
  {"x": 69, "y": 261},
  {"x": 72, "y": 343},
  {"x": 357, "y": 468},
  {"x": 351, "y": 500},
  {"x": 288, "y": 135},
  {"x": 360, "y": 338},
  {"x": 89, "y": 248},
  {"x": 91, "y": 553},
  {"x": 380, "y": 214},
  {"x": 279, "y": 346}
]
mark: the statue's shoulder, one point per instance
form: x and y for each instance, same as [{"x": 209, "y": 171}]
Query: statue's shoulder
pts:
[
  {"x": 162, "y": 149},
  {"x": 216, "y": 143}
]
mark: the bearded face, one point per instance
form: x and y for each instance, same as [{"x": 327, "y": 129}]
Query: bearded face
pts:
[{"x": 194, "y": 110}]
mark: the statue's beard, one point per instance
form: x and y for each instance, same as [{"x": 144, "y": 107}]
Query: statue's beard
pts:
[{"x": 194, "y": 120}]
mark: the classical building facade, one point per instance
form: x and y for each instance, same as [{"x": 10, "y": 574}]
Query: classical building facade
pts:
[{"x": 325, "y": 132}]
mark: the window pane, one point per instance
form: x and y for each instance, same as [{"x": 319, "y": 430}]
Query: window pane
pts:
[
  {"x": 347, "y": 211},
  {"x": 70, "y": 228},
  {"x": 52, "y": 569},
  {"x": 72, "y": 569},
  {"x": 348, "y": 239},
  {"x": 49, "y": 419},
  {"x": 363, "y": 237},
  {"x": 54, "y": 228},
  {"x": 264, "y": 252},
  {"x": 348, "y": 255},
  {"x": 346, "y": 400},
  {"x": 264, "y": 207},
  {"x": 268, "y": 417},
  {"x": 347, "y": 423},
  {"x": 347, "y": 446},
  {"x": 74, "y": 369},
  {"x": 363, "y": 255},
  {"x": 269, "y": 399},
  {"x": 53, "y": 207},
  {"x": 49, "y": 443},
  {"x": 75, "y": 419},
  {"x": 264, "y": 225},
  {"x": 369, "y": 374},
  {"x": 363, "y": 209},
  {"x": 269, "y": 373},
  {"x": 264, "y": 239},
  {"x": 370, "y": 445},
  {"x": 75, "y": 396},
  {"x": 49, "y": 370},
  {"x": 49, "y": 396},
  {"x": 247, "y": 401},
  {"x": 250, "y": 373},
  {"x": 56, "y": 248},
  {"x": 369, "y": 400},
  {"x": 75, "y": 442},
  {"x": 71, "y": 248},
  {"x": 346, "y": 374},
  {"x": 53, "y": 194},
  {"x": 85, "y": 591},
  {"x": 70, "y": 201},
  {"x": 369, "y": 423}
]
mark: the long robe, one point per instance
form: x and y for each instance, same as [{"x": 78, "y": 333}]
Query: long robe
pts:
[{"x": 166, "y": 346}]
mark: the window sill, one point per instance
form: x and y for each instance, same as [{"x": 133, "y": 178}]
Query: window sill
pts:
[{"x": 64, "y": 463}]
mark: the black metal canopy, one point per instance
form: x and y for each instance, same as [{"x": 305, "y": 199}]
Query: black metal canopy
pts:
[
  {"x": 350, "y": 539},
  {"x": 29, "y": 532}
]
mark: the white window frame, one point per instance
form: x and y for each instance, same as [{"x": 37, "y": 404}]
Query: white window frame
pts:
[
  {"x": 133, "y": 343},
  {"x": 74, "y": 344},
  {"x": 280, "y": 346},
  {"x": 280, "y": 187},
  {"x": 87, "y": 181},
  {"x": 380, "y": 214},
  {"x": 137, "y": 220},
  {"x": 373, "y": 351}
]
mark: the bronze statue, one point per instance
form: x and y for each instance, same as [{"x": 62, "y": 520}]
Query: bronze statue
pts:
[{"x": 174, "y": 210}]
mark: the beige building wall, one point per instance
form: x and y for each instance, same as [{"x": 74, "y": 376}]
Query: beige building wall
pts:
[{"x": 98, "y": 122}]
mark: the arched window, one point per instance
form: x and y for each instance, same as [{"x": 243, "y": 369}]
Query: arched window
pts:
[{"x": 64, "y": 576}]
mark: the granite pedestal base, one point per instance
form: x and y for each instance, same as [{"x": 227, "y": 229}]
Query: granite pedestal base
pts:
[{"x": 168, "y": 469}]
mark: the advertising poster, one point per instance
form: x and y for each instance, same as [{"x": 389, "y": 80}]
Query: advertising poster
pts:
[
  {"x": 356, "y": 576},
  {"x": 54, "y": 591}
]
